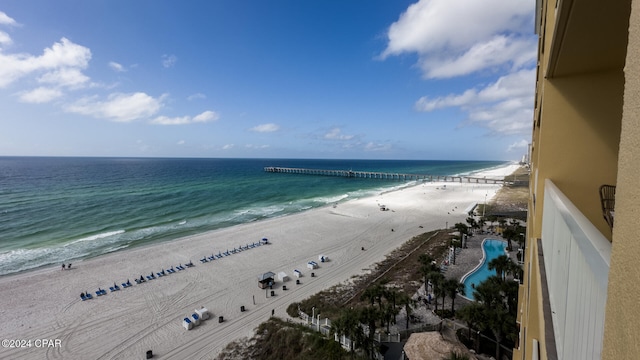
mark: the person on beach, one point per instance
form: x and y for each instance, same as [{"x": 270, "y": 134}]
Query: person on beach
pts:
[
  {"x": 62, "y": 266},
  {"x": 68, "y": 266}
]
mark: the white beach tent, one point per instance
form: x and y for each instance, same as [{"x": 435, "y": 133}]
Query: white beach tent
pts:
[
  {"x": 203, "y": 313},
  {"x": 195, "y": 319},
  {"x": 187, "y": 324},
  {"x": 312, "y": 265},
  {"x": 323, "y": 258},
  {"x": 282, "y": 276},
  {"x": 297, "y": 273}
]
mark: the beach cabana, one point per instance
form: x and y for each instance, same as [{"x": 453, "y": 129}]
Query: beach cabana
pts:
[
  {"x": 323, "y": 258},
  {"x": 265, "y": 241},
  {"x": 187, "y": 324},
  {"x": 297, "y": 273},
  {"x": 312, "y": 265},
  {"x": 265, "y": 280},
  {"x": 282, "y": 276},
  {"x": 203, "y": 313}
]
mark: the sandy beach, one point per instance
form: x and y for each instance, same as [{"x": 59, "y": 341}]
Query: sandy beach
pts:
[{"x": 125, "y": 324}]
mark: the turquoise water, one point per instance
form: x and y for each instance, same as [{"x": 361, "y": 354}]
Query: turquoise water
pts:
[
  {"x": 492, "y": 249},
  {"x": 60, "y": 209}
]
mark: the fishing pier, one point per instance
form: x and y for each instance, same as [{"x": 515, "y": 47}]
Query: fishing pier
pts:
[{"x": 381, "y": 175}]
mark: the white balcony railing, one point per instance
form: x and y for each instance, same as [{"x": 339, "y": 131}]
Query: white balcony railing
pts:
[{"x": 576, "y": 259}]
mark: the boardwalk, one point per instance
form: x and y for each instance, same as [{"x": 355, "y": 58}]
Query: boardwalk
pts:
[{"x": 381, "y": 175}]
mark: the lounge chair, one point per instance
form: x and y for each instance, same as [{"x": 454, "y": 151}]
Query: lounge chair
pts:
[
  {"x": 88, "y": 296},
  {"x": 159, "y": 274},
  {"x": 211, "y": 258},
  {"x": 112, "y": 289},
  {"x": 83, "y": 297},
  {"x": 203, "y": 260},
  {"x": 124, "y": 285}
]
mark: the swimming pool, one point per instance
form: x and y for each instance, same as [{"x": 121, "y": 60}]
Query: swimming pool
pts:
[{"x": 491, "y": 249}]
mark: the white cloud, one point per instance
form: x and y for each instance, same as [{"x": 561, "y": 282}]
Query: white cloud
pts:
[
  {"x": 522, "y": 144},
  {"x": 228, "y": 147},
  {"x": 181, "y": 142},
  {"x": 116, "y": 66},
  {"x": 165, "y": 120},
  {"x": 336, "y": 134},
  {"x": 457, "y": 37},
  {"x": 206, "y": 116},
  {"x": 5, "y": 39},
  {"x": 264, "y": 128},
  {"x": 69, "y": 77},
  {"x": 40, "y": 95},
  {"x": 374, "y": 147},
  {"x": 118, "y": 107},
  {"x": 61, "y": 55},
  {"x": 6, "y": 20},
  {"x": 196, "y": 97},
  {"x": 505, "y": 106},
  {"x": 169, "y": 60},
  {"x": 258, "y": 147}
]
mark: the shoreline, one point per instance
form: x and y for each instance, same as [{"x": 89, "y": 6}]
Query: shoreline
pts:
[{"x": 45, "y": 303}]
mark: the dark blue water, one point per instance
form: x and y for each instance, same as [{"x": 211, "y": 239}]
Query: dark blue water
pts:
[{"x": 55, "y": 209}]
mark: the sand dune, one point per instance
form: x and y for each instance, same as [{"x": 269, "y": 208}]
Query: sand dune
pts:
[{"x": 45, "y": 304}]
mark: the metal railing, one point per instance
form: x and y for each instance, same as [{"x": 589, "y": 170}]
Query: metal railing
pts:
[{"x": 576, "y": 258}]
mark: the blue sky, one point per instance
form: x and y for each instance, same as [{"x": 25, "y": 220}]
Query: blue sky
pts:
[{"x": 363, "y": 79}]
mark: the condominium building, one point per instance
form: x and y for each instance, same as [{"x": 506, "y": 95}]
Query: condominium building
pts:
[{"x": 580, "y": 295}]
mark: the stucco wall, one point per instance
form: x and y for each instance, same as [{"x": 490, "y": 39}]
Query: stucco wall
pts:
[{"x": 622, "y": 319}]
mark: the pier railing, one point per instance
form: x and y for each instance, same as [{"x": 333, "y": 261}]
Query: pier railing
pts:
[{"x": 381, "y": 175}]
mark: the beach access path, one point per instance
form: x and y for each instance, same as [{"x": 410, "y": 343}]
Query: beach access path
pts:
[{"x": 125, "y": 324}]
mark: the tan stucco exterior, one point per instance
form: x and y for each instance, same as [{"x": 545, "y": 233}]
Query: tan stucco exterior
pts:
[
  {"x": 586, "y": 133},
  {"x": 622, "y": 326}
]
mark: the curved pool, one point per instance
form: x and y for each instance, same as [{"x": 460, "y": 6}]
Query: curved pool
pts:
[{"x": 491, "y": 249}]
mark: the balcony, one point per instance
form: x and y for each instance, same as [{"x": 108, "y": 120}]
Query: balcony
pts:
[{"x": 576, "y": 266}]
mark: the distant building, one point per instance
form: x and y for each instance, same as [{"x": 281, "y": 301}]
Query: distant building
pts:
[{"x": 580, "y": 292}]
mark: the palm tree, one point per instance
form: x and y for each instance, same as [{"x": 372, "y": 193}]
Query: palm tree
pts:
[
  {"x": 452, "y": 288},
  {"x": 509, "y": 234},
  {"x": 456, "y": 356},
  {"x": 406, "y": 301},
  {"x": 499, "y": 303},
  {"x": 369, "y": 316},
  {"x": 436, "y": 279},
  {"x": 472, "y": 315},
  {"x": 502, "y": 222},
  {"x": 500, "y": 265},
  {"x": 348, "y": 324}
]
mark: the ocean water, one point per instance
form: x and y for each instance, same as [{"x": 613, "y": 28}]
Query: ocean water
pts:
[{"x": 61, "y": 209}]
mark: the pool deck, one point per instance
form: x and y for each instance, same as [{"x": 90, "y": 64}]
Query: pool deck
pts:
[{"x": 466, "y": 260}]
